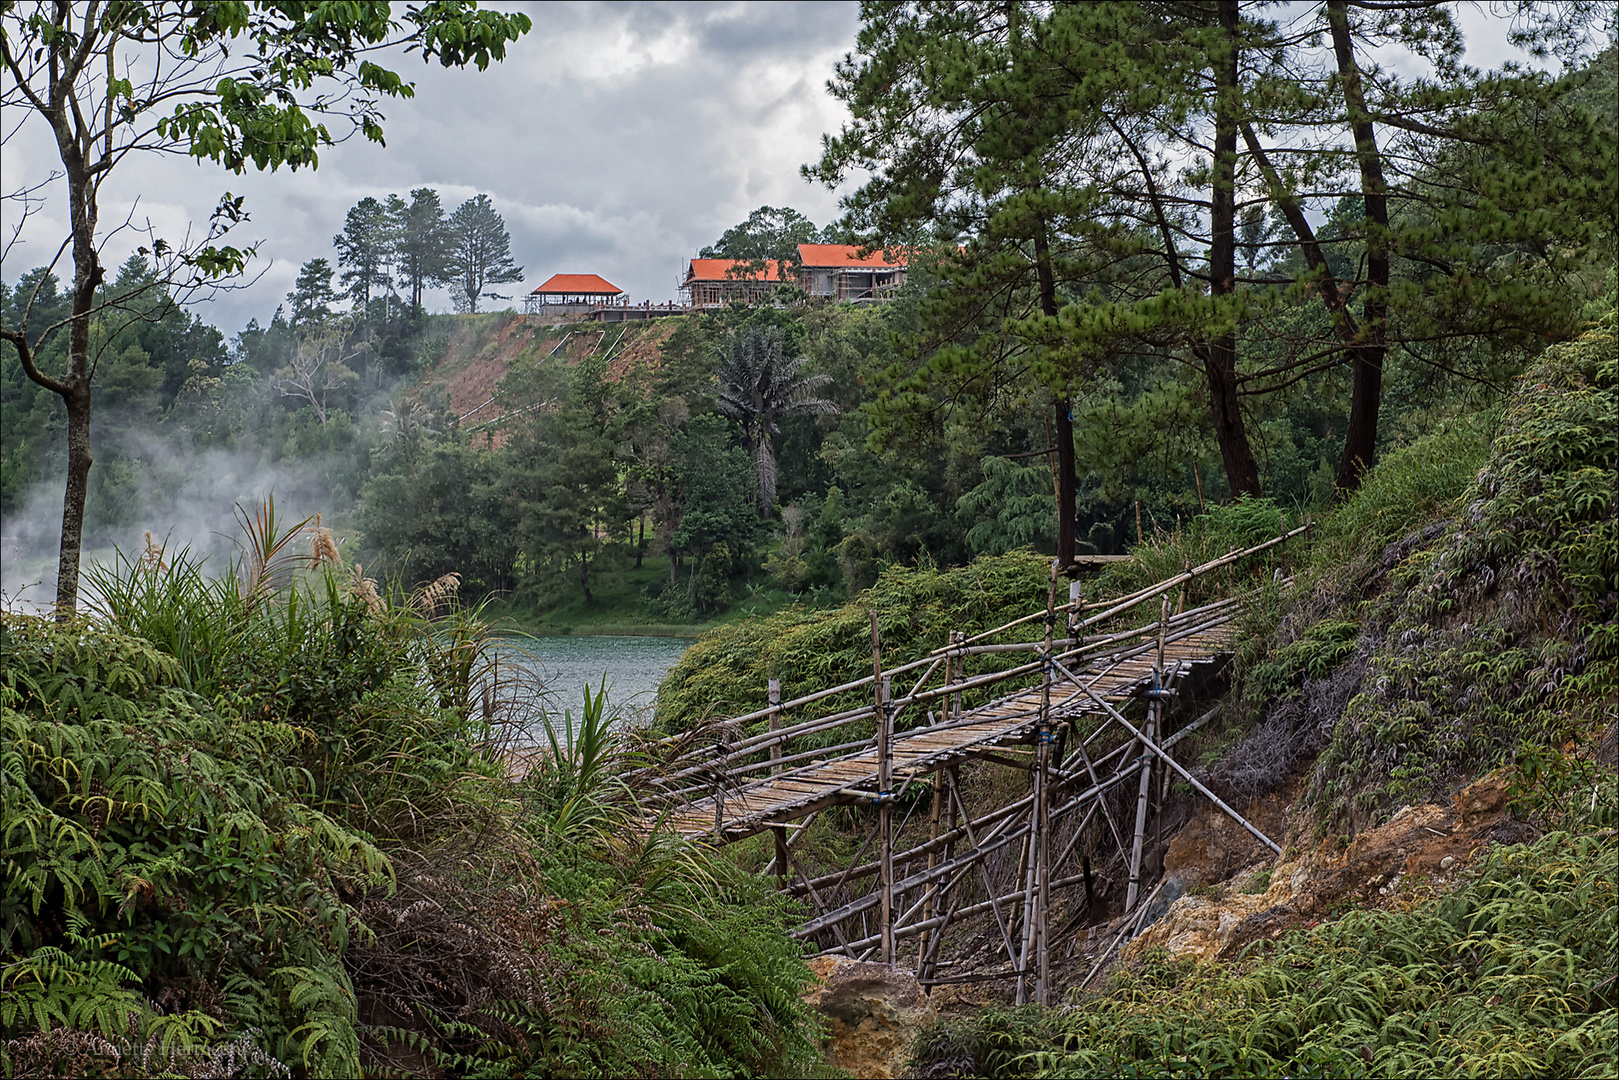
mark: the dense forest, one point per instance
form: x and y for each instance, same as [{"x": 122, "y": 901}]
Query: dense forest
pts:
[{"x": 1179, "y": 277}]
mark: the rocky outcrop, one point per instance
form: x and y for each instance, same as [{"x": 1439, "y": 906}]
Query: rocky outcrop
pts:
[
  {"x": 874, "y": 1014},
  {"x": 1422, "y": 848}
]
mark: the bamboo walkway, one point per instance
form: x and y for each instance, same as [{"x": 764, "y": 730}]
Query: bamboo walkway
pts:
[
  {"x": 1059, "y": 721},
  {"x": 1010, "y": 721}
]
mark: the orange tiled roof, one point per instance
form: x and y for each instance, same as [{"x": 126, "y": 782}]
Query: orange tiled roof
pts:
[
  {"x": 588, "y": 284},
  {"x": 838, "y": 256},
  {"x": 720, "y": 270}
]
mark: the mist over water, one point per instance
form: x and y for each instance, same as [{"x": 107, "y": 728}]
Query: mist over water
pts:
[{"x": 186, "y": 500}]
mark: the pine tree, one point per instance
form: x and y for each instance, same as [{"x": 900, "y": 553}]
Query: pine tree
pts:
[
  {"x": 365, "y": 247},
  {"x": 481, "y": 252},
  {"x": 422, "y": 242},
  {"x": 312, "y": 295}
]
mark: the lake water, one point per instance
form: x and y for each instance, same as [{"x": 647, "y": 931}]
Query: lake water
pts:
[{"x": 633, "y": 666}]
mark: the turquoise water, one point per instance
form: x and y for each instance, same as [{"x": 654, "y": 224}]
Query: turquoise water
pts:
[{"x": 632, "y": 666}]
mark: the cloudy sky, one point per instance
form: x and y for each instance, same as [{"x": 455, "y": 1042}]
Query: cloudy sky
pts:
[{"x": 615, "y": 139}]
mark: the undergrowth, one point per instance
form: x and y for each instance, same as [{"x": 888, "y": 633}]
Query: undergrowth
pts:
[
  {"x": 260, "y": 824},
  {"x": 1511, "y": 974},
  {"x": 727, "y": 670},
  {"x": 1501, "y": 632},
  {"x": 1457, "y": 611}
]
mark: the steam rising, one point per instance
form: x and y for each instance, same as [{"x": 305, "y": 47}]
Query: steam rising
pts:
[{"x": 186, "y": 500}]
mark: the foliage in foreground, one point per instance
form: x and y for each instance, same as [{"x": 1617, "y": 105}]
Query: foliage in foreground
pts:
[
  {"x": 1510, "y": 975},
  {"x": 269, "y": 835}
]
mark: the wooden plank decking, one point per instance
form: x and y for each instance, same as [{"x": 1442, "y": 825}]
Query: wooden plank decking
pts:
[{"x": 754, "y": 806}]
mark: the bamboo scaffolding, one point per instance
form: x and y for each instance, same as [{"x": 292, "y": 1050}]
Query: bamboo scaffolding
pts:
[
  {"x": 923, "y": 890},
  {"x": 1189, "y": 778}
]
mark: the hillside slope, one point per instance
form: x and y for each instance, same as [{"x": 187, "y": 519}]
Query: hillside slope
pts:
[{"x": 1432, "y": 638}]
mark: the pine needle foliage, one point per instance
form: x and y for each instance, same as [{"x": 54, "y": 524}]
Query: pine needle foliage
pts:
[{"x": 1511, "y": 975}]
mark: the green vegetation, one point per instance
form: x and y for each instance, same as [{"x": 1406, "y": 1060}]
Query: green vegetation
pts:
[
  {"x": 259, "y": 824},
  {"x": 727, "y": 670},
  {"x": 1455, "y": 616},
  {"x": 1166, "y": 295},
  {"x": 1510, "y": 975}
]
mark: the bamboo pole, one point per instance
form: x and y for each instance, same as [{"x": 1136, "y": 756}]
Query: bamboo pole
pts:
[
  {"x": 1188, "y": 777},
  {"x": 1140, "y": 836},
  {"x": 1154, "y": 708},
  {"x": 980, "y": 908},
  {"x": 1127, "y": 928},
  {"x": 773, "y": 695},
  {"x": 1002, "y": 924},
  {"x": 884, "y": 787}
]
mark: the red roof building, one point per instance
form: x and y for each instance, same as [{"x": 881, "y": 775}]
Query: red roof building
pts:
[
  {"x": 832, "y": 271},
  {"x": 573, "y": 294}
]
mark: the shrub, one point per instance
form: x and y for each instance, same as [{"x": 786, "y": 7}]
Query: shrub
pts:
[{"x": 1510, "y": 975}]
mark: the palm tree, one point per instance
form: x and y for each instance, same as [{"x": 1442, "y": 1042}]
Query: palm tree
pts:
[{"x": 759, "y": 386}]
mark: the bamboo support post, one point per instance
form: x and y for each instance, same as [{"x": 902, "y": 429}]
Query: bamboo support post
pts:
[
  {"x": 885, "y": 766},
  {"x": 1189, "y": 778},
  {"x": 773, "y": 693}
]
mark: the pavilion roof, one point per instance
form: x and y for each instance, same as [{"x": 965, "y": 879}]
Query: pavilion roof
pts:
[{"x": 577, "y": 285}]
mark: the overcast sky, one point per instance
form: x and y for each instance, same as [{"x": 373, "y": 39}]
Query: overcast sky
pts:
[{"x": 615, "y": 139}]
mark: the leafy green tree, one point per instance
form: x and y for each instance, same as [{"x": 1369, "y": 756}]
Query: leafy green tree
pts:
[
  {"x": 770, "y": 234},
  {"x": 439, "y": 507},
  {"x": 1012, "y": 508},
  {"x": 758, "y": 388},
  {"x": 1473, "y": 196},
  {"x": 229, "y": 83},
  {"x": 365, "y": 248},
  {"x": 480, "y": 253},
  {"x": 574, "y": 499},
  {"x": 711, "y": 474},
  {"x": 1060, "y": 105}
]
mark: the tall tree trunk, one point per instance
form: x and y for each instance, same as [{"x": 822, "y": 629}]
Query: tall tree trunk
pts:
[
  {"x": 1064, "y": 427},
  {"x": 764, "y": 470},
  {"x": 1220, "y": 356},
  {"x": 1371, "y": 348},
  {"x": 74, "y": 389}
]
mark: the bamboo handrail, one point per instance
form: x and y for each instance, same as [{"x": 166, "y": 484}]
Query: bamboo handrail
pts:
[
  {"x": 758, "y": 742},
  {"x": 1132, "y": 599}
]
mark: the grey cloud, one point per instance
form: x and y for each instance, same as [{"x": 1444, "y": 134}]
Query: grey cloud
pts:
[{"x": 624, "y": 173}]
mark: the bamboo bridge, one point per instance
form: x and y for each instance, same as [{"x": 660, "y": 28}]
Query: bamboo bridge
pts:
[{"x": 1059, "y": 718}]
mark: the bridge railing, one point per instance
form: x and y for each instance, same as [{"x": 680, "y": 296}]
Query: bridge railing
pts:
[{"x": 738, "y": 757}]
